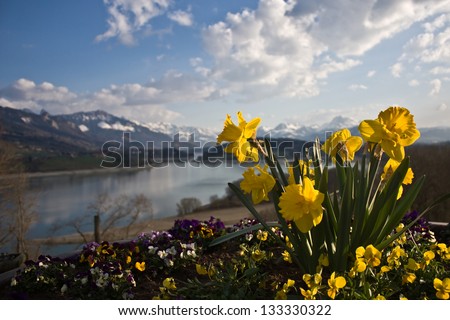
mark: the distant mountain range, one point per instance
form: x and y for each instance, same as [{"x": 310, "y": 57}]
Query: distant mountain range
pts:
[{"x": 88, "y": 131}]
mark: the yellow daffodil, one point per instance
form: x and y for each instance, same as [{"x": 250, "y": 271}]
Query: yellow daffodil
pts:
[
  {"x": 169, "y": 283},
  {"x": 140, "y": 266},
  {"x": 389, "y": 168},
  {"x": 238, "y": 137},
  {"x": 442, "y": 288},
  {"x": 302, "y": 204},
  {"x": 258, "y": 185},
  {"x": 305, "y": 170},
  {"x": 335, "y": 284},
  {"x": 342, "y": 143},
  {"x": 394, "y": 129}
]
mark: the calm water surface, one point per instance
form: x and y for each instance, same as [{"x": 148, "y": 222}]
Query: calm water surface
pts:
[{"x": 63, "y": 197}]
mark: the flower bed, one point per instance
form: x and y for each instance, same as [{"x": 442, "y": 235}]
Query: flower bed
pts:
[
  {"x": 180, "y": 264},
  {"x": 348, "y": 240}
]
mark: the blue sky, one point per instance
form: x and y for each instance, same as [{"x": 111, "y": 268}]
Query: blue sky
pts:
[{"x": 192, "y": 62}]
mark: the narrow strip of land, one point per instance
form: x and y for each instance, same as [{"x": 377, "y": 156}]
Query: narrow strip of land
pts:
[{"x": 228, "y": 216}]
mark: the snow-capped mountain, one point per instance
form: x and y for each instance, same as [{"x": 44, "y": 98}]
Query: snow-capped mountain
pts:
[
  {"x": 308, "y": 132},
  {"x": 88, "y": 131},
  {"x": 186, "y": 133},
  {"x": 72, "y": 133}
]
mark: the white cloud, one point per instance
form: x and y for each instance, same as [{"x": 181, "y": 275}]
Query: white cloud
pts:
[
  {"x": 413, "y": 83},
  {"x": 269, "y": 51},
  {"x": 183, "y": 18},
  {"x": 442, "y": 107},
  {"x": 396, "y": 69},
  {"x": 435, "y": 87},
  {"x": 289, "y": 48},
  {"x": 440, "y": 70},
  {"x": 371, "y": 73},
  {"x": 25, "y": 93},
  {"x": 354, "y": 27},
  {"x": 150, "y": 101},
  {"x": 431, "y": 47},
  {"x": 129, "y": 16},
  {"x": 355, "y": 87}
]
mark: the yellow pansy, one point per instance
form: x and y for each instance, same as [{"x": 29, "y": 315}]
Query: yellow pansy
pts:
[
  {"x": 342, "y": 143},
  {"x": 282, "y": 294},
  {"x": 201, "y": 270},
  {"x": 442, "y": 288},
  {"x": 262, "y": 235},
  {"x": 258, "y": 185},
  {"x": 140, "y": 266},
  {"x": 238, "y": 137},
  {"x": 408, "y": 278},
  {"x": 258, "y": 255},
  {"x": 169, "y": 283},
  {"x": 412, "y": 265},
  {"x": 394, "y": 257},
  {"x": 379, "y": 297},
  {"x": 309, "y": 294},
  {"x": 286, "y": 256},
  {"x": 372, "y": 256},
  {"x": 394, "y": 129},
  {"x": 427, "y": 257},
  {"x": 302, "y": 204},
  {"x": 369, "y": 255},
  {"x": 335, "y": 284},
  {"x": 312, "y": 281},
  {"x": 289, "y": 283}
]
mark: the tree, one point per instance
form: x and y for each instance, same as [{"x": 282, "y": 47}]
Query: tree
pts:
[
  {"x": 109, "y": 214},
  {"x": 16, "y": 207},
  {"x": 188, "y": 205}
]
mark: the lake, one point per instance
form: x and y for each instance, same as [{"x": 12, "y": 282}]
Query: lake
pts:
[{"x": 64, "y": 196}]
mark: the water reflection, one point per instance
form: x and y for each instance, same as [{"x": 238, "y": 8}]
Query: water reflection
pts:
[{"x": 63, "y": 197}]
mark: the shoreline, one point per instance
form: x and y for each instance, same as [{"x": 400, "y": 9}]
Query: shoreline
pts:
[{"x": 228, "y": 216}]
